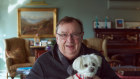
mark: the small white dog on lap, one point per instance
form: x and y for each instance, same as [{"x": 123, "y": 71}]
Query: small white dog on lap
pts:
[{"x": 86, "y": 66}]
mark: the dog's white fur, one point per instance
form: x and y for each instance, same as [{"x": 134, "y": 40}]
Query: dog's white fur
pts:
[{"x": 92, "y": 62}]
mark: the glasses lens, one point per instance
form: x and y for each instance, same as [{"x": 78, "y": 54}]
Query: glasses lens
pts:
[
  {"x": 65, "y": 36},
  {"x": 76, "y": 36}
]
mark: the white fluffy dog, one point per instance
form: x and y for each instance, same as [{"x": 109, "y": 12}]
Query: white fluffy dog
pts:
[{"x": 86, "y": 66}]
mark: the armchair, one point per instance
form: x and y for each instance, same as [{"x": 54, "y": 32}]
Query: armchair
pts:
[
  {"x": 101, "y": 46},
  {"x": 17, "y": 53}
]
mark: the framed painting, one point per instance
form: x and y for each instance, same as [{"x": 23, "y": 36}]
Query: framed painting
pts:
[
  {"x": 119, "y": 23},
  {"x": 33, "y": 21}
]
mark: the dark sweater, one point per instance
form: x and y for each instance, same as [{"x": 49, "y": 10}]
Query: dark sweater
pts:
[{"x": 53, "y": 65}]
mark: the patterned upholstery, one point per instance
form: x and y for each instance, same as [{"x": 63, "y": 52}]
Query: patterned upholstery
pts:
[
  {"x": 11, "y": 46},
  {"x": 15, "y": 66},
  {"x": 101, "y": 46}
]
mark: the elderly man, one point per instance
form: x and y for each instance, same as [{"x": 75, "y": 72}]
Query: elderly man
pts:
[{"x": 56, "y": 64}]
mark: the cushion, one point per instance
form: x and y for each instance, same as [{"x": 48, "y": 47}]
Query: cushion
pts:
[{"x": 18, "y": 55}]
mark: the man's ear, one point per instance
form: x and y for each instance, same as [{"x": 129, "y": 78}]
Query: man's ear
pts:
[
  {"x": 56, "y": 38},
  {"x": 99, "y": 60},
  {"x": 82, "y": 35}
]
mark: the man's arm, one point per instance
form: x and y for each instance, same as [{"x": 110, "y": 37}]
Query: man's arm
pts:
[
  {"x": 106, "y": 72},
  {"x": 36, "y": 72}
]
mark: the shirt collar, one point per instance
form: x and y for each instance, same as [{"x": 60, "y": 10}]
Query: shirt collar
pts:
[
  {"x": 67, "y": 64},
  {"x": 62, "y": 58}
]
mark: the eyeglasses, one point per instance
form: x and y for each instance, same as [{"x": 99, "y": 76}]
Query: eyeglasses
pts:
[{"x": 74, "y": 35}]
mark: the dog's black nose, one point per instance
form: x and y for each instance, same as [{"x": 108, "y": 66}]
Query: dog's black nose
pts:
[{"x": 91, "y": 69}]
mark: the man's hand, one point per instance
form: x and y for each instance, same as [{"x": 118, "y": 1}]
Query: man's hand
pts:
[{"x": 96, "y": 77}]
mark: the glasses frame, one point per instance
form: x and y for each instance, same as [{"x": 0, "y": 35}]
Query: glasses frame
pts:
[{"x": 67, "y": 35}]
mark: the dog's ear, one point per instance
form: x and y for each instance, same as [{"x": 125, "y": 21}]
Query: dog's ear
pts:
[
  {"x": 97, "y": 58},
  {"x": 77, "y": 63}
]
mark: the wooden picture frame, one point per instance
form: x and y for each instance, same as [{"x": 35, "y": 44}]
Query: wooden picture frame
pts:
[
  {"x": 119, "y": 23},
  {"x": 41, "y": 21}
]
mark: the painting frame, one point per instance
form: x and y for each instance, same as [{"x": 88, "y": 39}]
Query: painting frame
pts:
[
  {"x": 41, "y": 21},
  {"x": 119, "y": 23}
]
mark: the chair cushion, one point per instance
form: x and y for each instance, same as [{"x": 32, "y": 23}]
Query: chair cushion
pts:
[
  {"x": 18, "y": 55},
  {"x": 15, "y": 66}
]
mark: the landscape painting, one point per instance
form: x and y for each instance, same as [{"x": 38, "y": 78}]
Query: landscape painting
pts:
[{"x": 35, "y": 21}]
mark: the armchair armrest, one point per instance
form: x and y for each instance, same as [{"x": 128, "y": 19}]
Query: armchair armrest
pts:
[
  {"x": 9, "y": 62},
  {"x": 31, "y": 59},
  {"x": 114, "y": 63},
  {"x": 117, "y": 56}
]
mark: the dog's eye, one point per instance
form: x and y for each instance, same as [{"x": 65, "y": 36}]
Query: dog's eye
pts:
[
  {"x": 93, "y": 64},
  {"x": 85, "y": 65}
]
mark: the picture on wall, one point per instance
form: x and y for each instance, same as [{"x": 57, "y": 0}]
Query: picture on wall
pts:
[
  {"x": 32, "y": 21},
  {"x": 119, "y": 23}
]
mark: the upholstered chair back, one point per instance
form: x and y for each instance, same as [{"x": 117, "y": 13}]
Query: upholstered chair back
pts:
[{"x": 97, "y": 44}]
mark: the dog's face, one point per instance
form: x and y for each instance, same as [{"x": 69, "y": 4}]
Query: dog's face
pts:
[{"x": 87, "y": 65}]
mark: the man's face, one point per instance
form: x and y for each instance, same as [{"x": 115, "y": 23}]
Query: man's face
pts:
[{"x": 69, "y": 38}]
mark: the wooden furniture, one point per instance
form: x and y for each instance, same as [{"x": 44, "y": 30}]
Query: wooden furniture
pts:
[
  {"x": 125, "y": 42},
  {"x": 128, "y": 72},
  {"x": 38, "y": 50},
  {"x": 128, "y": 77}
]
